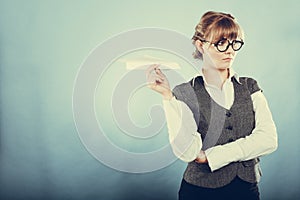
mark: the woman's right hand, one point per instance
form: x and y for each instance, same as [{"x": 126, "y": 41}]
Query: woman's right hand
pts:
[{"x": 158, "y": 82}]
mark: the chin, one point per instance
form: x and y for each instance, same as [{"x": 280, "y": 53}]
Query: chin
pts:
[{"x": 224, "y": 68}]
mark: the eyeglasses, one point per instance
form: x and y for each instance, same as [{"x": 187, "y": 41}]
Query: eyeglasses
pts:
[{"x": 223, "y": 44}]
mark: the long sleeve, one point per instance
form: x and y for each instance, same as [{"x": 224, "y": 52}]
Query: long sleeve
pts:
[
  {"x": 262, "y": 140},
  {"x": 185, "y": 141}
]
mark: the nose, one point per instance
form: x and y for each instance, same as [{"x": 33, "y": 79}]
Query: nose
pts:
[{"x": 230, "y": 50}]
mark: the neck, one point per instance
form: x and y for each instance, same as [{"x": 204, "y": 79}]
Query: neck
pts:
[{"x": 215, "y": 77}]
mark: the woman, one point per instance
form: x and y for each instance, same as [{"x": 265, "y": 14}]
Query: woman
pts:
[{"x": 218, "y": 122}]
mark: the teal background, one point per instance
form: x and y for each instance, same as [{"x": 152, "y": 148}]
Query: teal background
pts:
[{"x": 42, "y": 45}]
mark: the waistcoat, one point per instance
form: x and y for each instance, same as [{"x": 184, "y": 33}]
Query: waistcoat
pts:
[{"x": 219, "y": 126}]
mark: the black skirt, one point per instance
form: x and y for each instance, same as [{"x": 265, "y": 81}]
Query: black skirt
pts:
[{"x": 237, "y": 189}]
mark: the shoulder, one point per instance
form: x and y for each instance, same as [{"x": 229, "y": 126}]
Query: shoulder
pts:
[
  {"x": 185, "y": 89},
  {"x": 188, "y": 85},
  {"x": 250, "y": 83},
  {"x": 183, "y": 86},
  {"x": 182, "y": 89}
]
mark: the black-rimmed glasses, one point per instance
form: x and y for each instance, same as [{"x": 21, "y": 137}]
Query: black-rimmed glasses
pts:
[{"x": 223, "y": 44}]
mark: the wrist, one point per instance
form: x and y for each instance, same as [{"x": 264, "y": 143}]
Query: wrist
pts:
[{"x": 168, "y": 95}]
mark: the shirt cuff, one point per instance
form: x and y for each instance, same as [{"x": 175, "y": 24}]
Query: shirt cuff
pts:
[{"x": 229, "y": 154}]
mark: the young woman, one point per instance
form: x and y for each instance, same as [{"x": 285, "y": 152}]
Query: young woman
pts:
[{"x": 218, "y": 122}]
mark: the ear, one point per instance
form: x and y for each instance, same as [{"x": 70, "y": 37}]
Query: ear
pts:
[{"x": 199, "y": 46}]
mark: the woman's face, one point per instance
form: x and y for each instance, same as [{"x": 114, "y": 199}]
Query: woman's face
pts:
[{"x": 212, "y": 58}]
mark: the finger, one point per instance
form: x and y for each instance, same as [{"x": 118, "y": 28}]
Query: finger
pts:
[
  {"x": 154, "y": 80},
  {"x": 151, "y": 78},
  {"x": 159, "y": 80},
  {"x": 157, "y": 76},
  {"x": 151, "y": 68},
  {"x": 159, "y": 73},
  {"x": 153, "y": 86},
  {"x": 162, "y": 77}
]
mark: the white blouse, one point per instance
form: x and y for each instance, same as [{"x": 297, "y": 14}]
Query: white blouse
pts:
[{"x": 186, "y": 141}]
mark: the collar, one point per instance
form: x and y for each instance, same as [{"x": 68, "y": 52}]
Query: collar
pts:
[{"x": 232, "y": 74}]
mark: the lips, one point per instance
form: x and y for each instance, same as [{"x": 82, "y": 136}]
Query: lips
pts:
[{"x": 228, "y": 59}]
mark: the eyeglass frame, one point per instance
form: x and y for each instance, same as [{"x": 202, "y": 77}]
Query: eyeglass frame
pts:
[{"x": 229, "y": 44}]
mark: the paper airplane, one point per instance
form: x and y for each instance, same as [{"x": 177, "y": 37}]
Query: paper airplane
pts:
[{"x": 145, "y": 61}]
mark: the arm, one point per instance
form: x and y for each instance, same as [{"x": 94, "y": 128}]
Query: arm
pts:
[
  {"x": 185, "y": 141},
  {"x": 262, "y": 141}
]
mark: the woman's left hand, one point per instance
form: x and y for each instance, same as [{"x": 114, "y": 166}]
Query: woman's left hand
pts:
[{"x": 201, "y": 158}]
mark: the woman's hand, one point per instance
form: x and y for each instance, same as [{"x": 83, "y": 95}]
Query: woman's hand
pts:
[
  {"x": 158, "y": 82},
  {"x": 201, "y": 158}
]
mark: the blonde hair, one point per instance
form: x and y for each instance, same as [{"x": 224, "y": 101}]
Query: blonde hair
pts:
[{"x": 214, "y": 26}]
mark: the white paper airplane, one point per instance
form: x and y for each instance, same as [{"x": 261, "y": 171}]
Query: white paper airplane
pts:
[{"x": 145, "y": 61}]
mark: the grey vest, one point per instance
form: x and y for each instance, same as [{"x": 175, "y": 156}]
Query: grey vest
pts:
[{"x": 218, "y": 126}]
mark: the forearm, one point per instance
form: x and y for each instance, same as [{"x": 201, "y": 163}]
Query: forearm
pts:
[
  {"x": 262, "y": 140},
  {"x": 243, "y": 149},
  {"x": 185, "y": 141}
]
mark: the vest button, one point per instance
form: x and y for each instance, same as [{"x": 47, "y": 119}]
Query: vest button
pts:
[
  {"x": 229, "y": 127},
  {"x": 228, "y": 114}
]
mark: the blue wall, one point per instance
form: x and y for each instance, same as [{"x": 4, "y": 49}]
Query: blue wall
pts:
[{"x": 42, "y": 46}]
